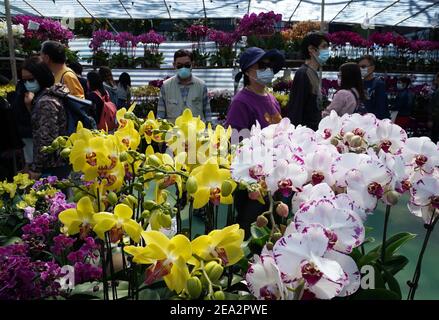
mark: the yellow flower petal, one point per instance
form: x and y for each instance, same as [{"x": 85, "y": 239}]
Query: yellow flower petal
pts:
[
  {"x": 155, "y": 237},
  {"x": 133, "y": 229},
  {"x": 123, "y": 211},
  {"x": 182, "y": 246},
  {"x": 201, "y": 197},
  {"x": 104, "y": 222}
]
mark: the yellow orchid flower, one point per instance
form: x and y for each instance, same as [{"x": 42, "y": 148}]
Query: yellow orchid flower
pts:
[
  {"x": 224, "y": 244},
  {"x": 80, "y": 134},
  {"x": 219, "y": 138},
  {"x": 167, "y": 257},
  {"x": 112, "y": 176},
  {"x": 128, "y": 136},
  {"x": 120, "y": 115},
  {"x": 147, "y": 128},
  {"x": 22, "y": 180},
  {"x": 166, "y": 162},
  {"x": 186, "y": 122},
  {"x": 119, "y": 223},
  {"x": 87, "y": 154},
  {"x": 79, "y": 220},
  {"x": 209, "y": 179}
]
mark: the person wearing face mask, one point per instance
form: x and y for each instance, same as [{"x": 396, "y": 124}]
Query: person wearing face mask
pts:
[
  {"x": 305, "y": 103},
  {"x": 404, "y": 102},
  {"x": 184, "y": 90},
  {"x": 375, "y": 89},
  {"x": 351, "y": 94},
  {"x": 253, "y": 104},
  {"x": 48, "y": 118}
]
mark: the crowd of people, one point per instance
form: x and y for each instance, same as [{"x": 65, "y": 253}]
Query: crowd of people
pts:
[{"x": 37, "y": 115}]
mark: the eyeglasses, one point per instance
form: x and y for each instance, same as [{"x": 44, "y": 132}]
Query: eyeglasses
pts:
[
  {"x": 364, "y": 66},
  {"x": 187, "y": 65}
]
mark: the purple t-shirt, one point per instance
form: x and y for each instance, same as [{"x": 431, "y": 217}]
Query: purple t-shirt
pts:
[{"x": 248, "y": 107}]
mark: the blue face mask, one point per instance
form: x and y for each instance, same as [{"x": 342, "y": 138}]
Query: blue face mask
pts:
[
  {"x": 265, "y": 77},
  {"x": 323, "y": 56},
  {"x": 32, "y": 86},
  {"x": 184, "y": 73}
]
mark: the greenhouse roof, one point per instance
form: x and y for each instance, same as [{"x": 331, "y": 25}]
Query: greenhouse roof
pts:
[{"x": 415, "y": 13}]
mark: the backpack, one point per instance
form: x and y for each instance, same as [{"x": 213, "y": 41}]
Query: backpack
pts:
[
  {"x": 107, "y": 121},
  {"x": 76, "y": 109},
  {"x": 360, "y": 108}
]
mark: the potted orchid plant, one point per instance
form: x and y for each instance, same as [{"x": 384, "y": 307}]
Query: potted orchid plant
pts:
[
  {"x": 101, "y": 44},
  {"x": 38, "y": 30},
  {"x": 225, "y": 52},
  {"x": 126, "y": 58},
  {"x": 151, "y": 41},
  {"x": 198, "y": 34}
]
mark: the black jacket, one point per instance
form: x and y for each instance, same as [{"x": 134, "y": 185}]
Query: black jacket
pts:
[
  {"x": 21, "y": 114},
  {"x": 303, "y": 105}
]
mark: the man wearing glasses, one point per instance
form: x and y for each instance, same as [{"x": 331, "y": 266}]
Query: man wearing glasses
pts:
[{"x": 183, "y": 90}]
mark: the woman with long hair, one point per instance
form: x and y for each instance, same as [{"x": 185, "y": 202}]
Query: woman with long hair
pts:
[
  {"x": 123, "y": 90},
  {"x": 96, "y": 90},
  {"x": 109, "y": 83},
  {"x": 351, "y": 94}
]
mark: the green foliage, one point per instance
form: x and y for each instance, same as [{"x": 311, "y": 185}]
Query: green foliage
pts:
[
  {"x": 386, "y": 285},
  {"x": 267, "y": 43}
]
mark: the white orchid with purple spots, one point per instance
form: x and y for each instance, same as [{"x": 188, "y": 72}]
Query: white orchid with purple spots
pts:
[
  {"x": 307, "y": 258},
  {"x": 343, "y": 226},
  {"x": 424, "y": 201},
  {"x": 264, "y": 279},
  {"x": 421, "y": 155}
]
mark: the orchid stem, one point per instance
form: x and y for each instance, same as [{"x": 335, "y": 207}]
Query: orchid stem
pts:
[
  {"x": 417, "y": 275},
  {"x": 207, "y": 278},
  {"x": 273, "y": 223},
  {"x": 191, "y": 212},
  {"x": 386, "y": 223}
]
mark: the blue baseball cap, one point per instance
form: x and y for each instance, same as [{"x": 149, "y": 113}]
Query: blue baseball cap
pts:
[{"x": 252, "y": 55}]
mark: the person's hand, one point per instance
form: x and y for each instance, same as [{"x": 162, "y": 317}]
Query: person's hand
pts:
[{"x": 28, "y": 97}]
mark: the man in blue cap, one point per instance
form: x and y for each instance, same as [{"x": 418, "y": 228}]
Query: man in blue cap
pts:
[{"x": 253, "y": 104}]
